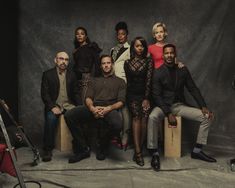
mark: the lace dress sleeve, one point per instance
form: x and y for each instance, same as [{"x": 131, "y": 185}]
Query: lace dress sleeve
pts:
[{"x": 148, "y": 77}]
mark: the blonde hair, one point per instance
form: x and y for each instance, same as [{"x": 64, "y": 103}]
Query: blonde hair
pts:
[{"x": 159, "y": 24}]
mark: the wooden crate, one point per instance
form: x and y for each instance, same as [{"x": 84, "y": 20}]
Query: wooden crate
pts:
[
  {"x": 172, "y": 139},
  {"x": 63, "y": 136}
]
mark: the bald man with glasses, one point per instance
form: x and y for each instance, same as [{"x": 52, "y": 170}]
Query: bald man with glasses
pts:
[{"x": 59, "y": 92}]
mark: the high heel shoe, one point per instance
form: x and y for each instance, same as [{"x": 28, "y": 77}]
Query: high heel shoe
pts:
[
  {"x": 138, "y": 158},
  {"x": 125, "y": 146},
  {"x": 116, "y": 141}
]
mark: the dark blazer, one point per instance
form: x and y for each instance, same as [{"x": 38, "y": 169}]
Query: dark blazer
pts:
[
  {"x": 164, "y": 90},
  {"x": 50, "y": 88}
]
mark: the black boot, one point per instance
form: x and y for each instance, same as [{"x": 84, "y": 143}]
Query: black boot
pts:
[
  {"x": 83, "y": 154},
  {"x": 100, "y": 153},
  {"x": 103, "y": 138},
  {"x": 102, "y": 148},
  {"x": 47, "y": 155},
  {"x": 155, "y": 162}
]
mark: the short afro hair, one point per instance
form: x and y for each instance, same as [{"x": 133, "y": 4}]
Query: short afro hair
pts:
[{"x": 121, "y": 25}]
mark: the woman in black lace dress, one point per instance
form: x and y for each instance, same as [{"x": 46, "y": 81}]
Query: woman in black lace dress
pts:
[
  {"x": 86, "y": 59},
  {"x": 138, "y": 73}
]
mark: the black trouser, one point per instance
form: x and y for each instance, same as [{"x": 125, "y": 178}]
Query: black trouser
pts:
[
  {"x": 75, "y": 119},
  {"x": 51, "y": 121}
]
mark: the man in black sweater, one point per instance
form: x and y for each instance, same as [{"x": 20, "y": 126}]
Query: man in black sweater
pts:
[
  {"x": 104, "y": 99},
  {"x": 168, "y": 95}
]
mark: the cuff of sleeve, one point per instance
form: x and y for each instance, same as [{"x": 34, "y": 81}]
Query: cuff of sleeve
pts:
[
  {"x": 167, "y": 112},
  {"x": 124, "y": 102},
  {"x": 52, "y": 106}
]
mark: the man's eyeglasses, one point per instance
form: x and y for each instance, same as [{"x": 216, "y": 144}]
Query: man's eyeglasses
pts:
[{"x": 63, "y": 59}]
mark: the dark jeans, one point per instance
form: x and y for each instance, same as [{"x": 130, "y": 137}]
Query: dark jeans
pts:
[
  {"x": 50, "y": 126},
  {"x": 75, "y": 119}
]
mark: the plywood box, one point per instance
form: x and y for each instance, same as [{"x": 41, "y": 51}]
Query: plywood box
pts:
[
  {"x": 63, "y": 136},
  {"x": 172, "y": 139}
]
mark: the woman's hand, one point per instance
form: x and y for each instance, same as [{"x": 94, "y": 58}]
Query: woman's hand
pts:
[
  {"x": 146, "y": 104},
  {"x": 179, "y": 64},
  {"x": 56, "y": 110}
]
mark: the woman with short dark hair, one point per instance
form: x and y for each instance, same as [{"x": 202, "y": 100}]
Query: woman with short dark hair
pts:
[
  {"x": 120, "y": 53},
  {"x": 139, "y": 73}
]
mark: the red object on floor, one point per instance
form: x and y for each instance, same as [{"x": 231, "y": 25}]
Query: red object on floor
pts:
[
  {"x": 117, "y": 143},
  {"x": 6, "y": 164}
]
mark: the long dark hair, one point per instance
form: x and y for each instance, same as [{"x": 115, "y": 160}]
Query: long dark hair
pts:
[
  {"x": 75, "y": 42},
  {"x": 143, "y": 42}
]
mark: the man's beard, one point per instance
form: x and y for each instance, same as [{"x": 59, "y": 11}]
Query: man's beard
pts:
[
  {"x": 62, "y": 66},
  {"x": 171, "y": 63},
  {"x": 109, "y": 72}
]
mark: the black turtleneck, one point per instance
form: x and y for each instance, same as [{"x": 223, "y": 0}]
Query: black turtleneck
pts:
[{"x": 172, "y": 72}]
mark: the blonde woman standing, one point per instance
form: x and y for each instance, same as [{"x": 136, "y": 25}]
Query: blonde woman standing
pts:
[{"x": 159, "y": 32}]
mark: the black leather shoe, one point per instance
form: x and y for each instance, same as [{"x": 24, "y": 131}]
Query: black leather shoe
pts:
[
  {"x": 102, "y": 148},
  {"x": 202, "y": 156},
  {"x": 47, "y": 156},
  {"x": 100, "y": 154},
  {"x": 79, "y": 157},
  {"x": 155, "y": 162}
]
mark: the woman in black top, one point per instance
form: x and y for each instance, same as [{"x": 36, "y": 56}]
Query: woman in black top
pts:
[
  {"x": 86, "y": 59},
  {"x": 139, "y": 73}
]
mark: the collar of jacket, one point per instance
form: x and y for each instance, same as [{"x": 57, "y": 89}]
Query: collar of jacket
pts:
[{"x": 126, "y": 45}]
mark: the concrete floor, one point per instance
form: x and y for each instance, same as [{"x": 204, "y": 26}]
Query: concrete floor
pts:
[{"x": 119, "y": 171}]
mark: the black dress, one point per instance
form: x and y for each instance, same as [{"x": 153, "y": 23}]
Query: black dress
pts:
[
  {"x": 86, "y": 65},
  {"x": 139, "y": 75},
  {"x": 86, "y": 59}
]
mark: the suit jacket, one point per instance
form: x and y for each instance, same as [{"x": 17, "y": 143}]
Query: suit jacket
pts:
[
  {"x": 50, "y": 88},
  {"x": 122, "y": 56},
  {"x": 164, "y": 90}
]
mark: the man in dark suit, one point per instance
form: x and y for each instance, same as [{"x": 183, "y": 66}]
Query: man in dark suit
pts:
[
  {"x": 168, "y": 95},
  {"x": 59, "y": 92}
]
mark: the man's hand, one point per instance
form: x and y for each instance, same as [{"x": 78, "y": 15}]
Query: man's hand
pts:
[
  {"x": 56, "y": 111},
  {"x": 209, "y": 115},
  {"x": 145, "y": 105},
  {"x": 103, "y": 110},
  {"x": 96, "y": 111},
  {"x": 106, "y": 110},
  {"x": 172, "y": 121}
]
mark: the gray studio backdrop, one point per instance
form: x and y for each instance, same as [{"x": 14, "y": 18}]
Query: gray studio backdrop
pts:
[{"x": 203, "y": 32}]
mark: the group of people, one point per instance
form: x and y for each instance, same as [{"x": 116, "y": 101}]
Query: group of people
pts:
[{"x": 132, "y": 88}]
